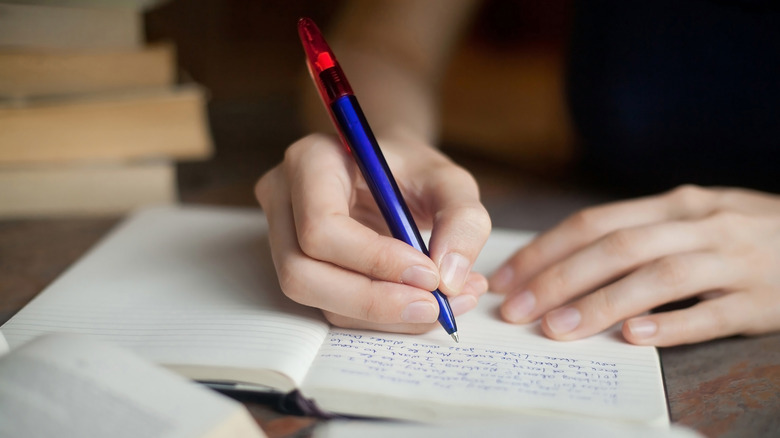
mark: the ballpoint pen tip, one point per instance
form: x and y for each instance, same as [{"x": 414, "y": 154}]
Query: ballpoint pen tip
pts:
[{"x": 455, "y": 336}]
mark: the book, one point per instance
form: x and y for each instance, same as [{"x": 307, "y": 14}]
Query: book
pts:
[
  {"x": 517, "y": 426},
  {"x": 194, "y": 289},
  {"x": 155, "y": 123},
  {"x": 33, "y": 26},
  {"x": 25, "y": 73},
  {"x": 106, "y": 189},
  {"x": 73, "y": 386}
]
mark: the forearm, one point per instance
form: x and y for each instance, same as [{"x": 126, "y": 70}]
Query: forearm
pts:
[{"x": 394, "y": 53}]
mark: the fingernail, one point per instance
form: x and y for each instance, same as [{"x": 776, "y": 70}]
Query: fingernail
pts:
[
  {"x": 502, "y": 278},
  {"x": 642, "y": 328},
  {"x": 516, "y": 309},
  {"x": 420, "y": 276},
  {"x": 420, "y": 311},
  {"x": 561, "y": 321},
  {"x": 454, "y": 269},
  {"x": 462, "y": 304}
]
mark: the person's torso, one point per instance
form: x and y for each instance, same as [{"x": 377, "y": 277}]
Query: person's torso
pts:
[{"x": 665, "y": 92}]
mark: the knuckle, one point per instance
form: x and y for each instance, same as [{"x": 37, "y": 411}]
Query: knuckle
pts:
[
  {"x": 586, "y": 222},
  {"x": 476, "y": 214},
  {"x": 464, "y": 175},
  {"x": 300, "y": 151},
  {"x": 671, "y": 271},
  {"x": 474, "y": 219},
  {"x": 263, "y": 185},
  {"x": 338, "y": 320},
  {"x": 719, "y": 316},
  {"x": 467, "y": 186},
  {"x": 606, "y": 306},
  {"x": 367, "y": 310},
  {"x": 445, "y": 171},
  {"x": 295, "y": 150},
  {"x": 472, "y": 212},
  {"x": 302, "y": 147},
  {"x": 379, "y": 261},
  {"x": 687, "y": 193},
  {"x": 313, "y": 237},
  {"x": 620, "y": 243},
  {"x": 534, "y": 251},
  {"x": 291, "y": 284},
  {"x": 554, "y": 284},
  {"x": 480, "y": 219},
  {"x": 692, "y": 197}
]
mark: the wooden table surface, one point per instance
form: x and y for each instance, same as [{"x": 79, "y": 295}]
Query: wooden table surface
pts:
[{"x": 723, "y": 388}]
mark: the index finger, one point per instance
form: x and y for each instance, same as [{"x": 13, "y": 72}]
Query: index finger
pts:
[
  {"x": 591, "y": 224},
  {"x": 445, "y": 197},
  {"x": 461, "y": 226},
  {"x": 322, "y": 183}
]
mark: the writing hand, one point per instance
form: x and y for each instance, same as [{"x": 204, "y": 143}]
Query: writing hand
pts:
[
  {"x": 332, "y": 249},
  {"x": 615, "y": 262}
]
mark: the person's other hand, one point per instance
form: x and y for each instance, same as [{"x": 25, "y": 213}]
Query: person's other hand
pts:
[
  {"x": 332, "y": 249},
  {"x": 613, "y": 263}
]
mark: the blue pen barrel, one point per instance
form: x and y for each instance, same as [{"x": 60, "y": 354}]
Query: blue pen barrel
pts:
[
  {"x": 372, "y": 164},
  {"x": 363, "y": 145}
]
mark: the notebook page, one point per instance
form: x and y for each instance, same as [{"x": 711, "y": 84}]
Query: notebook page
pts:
[
  {"x": 497, "y": 367},
  {"x": 191, "y": 288}
]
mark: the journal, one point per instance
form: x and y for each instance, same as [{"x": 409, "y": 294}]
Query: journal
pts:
[{"x": 194, "y": 289}]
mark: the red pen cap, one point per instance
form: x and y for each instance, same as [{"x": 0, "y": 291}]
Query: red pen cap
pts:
[{"x": 323, "y": 67}]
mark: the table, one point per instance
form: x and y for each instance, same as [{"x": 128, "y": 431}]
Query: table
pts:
[{"x": 723, "y": 388}]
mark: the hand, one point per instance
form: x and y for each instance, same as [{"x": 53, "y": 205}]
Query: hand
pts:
[
  {"x": 615, "y": 262},
  {"x": 332, "y": 249}
]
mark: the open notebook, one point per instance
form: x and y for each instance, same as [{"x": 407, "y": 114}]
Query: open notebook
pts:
[{"x": 194, "y": 289}]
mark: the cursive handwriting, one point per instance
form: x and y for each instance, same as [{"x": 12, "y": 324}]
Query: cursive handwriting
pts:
[{"x": 443, "y": 367}]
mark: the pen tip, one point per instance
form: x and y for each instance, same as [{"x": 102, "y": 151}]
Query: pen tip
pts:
[{"x": 455, "y": 336}]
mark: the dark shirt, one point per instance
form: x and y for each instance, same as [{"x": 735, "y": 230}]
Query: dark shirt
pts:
[{"x": 666, "y": 92}]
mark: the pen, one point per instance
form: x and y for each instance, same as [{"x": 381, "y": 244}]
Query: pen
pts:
[{"x": 359, "y": 140}]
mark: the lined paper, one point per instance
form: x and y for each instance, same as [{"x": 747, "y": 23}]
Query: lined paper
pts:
[
  {"x": 496, "y": 366},
  {"x": 180, "y": 289}
]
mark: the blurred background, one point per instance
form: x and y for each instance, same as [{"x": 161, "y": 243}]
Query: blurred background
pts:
[
  {"x": 247, "y": 54},
  {"x": 216, "y": 83}
]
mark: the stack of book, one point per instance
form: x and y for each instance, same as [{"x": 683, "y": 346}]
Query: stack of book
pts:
[{"x": 92, "y": 119}]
